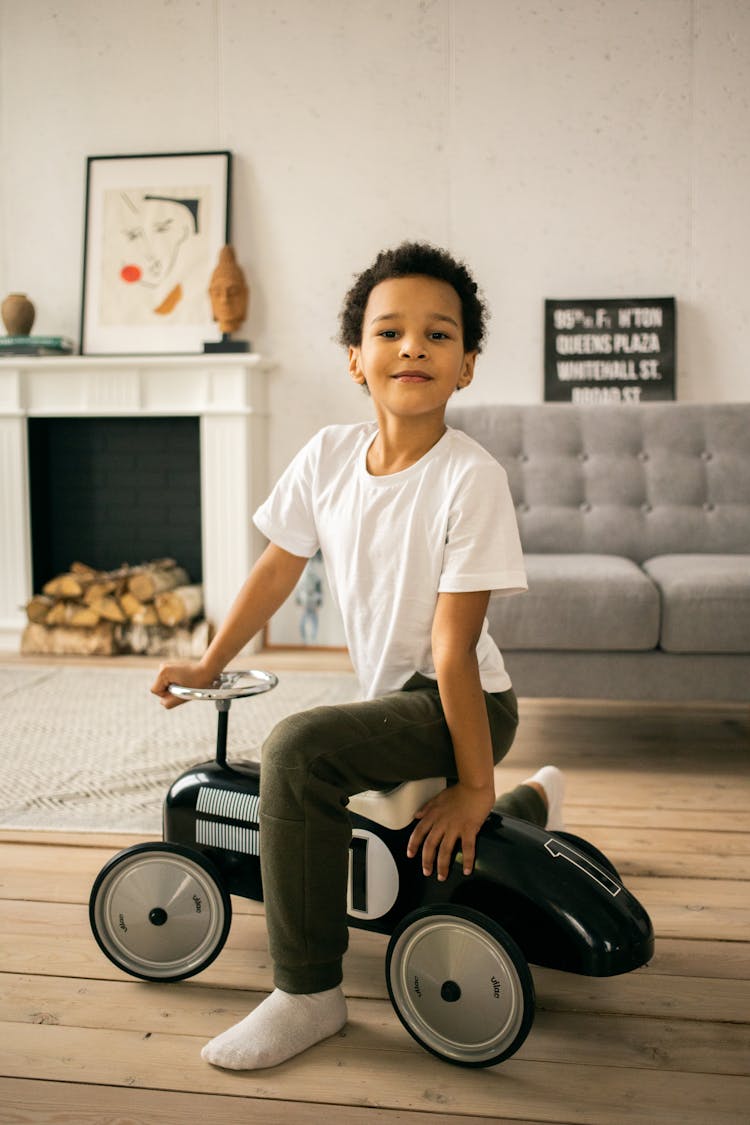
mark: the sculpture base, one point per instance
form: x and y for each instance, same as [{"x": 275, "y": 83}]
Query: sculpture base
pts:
[{"x": 225, "y": 344}]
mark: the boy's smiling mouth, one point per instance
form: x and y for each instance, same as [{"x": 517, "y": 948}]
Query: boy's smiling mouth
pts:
[{"x": 412, "y": 377}]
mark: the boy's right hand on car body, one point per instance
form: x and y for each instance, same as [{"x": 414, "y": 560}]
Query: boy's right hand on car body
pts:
[{"x": 186, "y": 674}]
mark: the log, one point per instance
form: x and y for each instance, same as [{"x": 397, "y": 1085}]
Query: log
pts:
[
  {"x": 66, "y": 641},
  {"x": 99, "y": 588},
  {"x": 64, "y": 586},
  {"x": 109, "y": 609},
  {"x": 75, "y": 614},
  {"x": 109, "y": 582},
  {"x": 83, "y": 571},
  {"x": 131, "y": 606},
  {"x": 184, "y": 643},
  {"x": 177, "y": 606},
  {"x": 153, "y": 578},
  {"x": 82, "y": 616},
  {"x": 74, "y": 582},
  {"x": 38, "y": 608},
  {"x": 147, "y": 615},
  {"x": 58, "y": 615}
]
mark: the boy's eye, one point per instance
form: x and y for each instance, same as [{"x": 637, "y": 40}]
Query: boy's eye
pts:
[
  {"x": 388, "y": 333},
  {"x": 439, "y": 336}
]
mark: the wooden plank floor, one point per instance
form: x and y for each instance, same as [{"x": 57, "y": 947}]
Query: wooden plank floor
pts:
[{"x": 663, "y": 790}]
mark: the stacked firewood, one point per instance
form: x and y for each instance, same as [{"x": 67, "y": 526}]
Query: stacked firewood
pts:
[{"x": 152, "y": 608}]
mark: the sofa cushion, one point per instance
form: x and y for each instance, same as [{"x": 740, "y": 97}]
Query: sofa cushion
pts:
[
  {"x": 705, "y": 602},
  {"x": 635, "y": 481},
  {"x": 585, "y": 602}
]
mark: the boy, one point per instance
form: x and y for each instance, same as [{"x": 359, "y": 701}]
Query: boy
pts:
[{"x": 416, "y": 526}]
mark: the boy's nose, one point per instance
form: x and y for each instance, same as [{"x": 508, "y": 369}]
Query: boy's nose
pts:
[{"x": 412, "y": 349}]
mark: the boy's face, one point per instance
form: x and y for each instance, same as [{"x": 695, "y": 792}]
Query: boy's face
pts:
[{"x": 411, "y": 356}]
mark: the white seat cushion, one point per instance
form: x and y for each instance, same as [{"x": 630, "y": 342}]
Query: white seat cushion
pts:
[{"x": 395, "y": 808}]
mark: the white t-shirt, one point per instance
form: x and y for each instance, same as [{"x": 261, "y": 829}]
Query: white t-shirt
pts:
[{"x": 392, "y": 543}]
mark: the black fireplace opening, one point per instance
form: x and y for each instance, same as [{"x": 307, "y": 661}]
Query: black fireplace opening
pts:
[{"x": 108, "y": 491}]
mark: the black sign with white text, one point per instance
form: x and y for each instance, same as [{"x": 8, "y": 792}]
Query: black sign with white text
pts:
[{"x": 609, "y": 350}]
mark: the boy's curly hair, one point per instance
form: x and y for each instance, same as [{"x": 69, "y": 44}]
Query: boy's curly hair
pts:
[{"x": 412, "y": 259}]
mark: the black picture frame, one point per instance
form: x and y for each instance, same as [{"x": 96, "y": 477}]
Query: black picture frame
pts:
[
  {"x": 154, "y": 226},
  {"x": 604, "y": 350}
]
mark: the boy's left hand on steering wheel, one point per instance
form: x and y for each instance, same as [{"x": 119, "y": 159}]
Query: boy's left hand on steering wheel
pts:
[{"x": 455, "y": 814}]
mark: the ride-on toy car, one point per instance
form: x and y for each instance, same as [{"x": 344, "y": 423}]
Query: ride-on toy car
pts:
[{"x": 457, "y": 964}]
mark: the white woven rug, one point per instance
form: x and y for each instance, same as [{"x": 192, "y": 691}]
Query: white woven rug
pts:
[{"x": 92, "y": 750}]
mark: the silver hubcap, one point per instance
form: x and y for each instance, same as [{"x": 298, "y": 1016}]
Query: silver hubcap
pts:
[
  {"x": 457, "y": 988},
  {"x": 159, "y": 914}
]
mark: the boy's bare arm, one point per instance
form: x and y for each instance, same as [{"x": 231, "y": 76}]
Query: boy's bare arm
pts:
[
  {"x": 459, "y": 811},
  {"x": 270, "y": 583}
]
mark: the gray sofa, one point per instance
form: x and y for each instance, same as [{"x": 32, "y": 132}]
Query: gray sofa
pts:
[{"x": 635, "y": 523}]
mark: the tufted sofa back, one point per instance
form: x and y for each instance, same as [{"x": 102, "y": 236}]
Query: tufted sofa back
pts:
[{"x": 638, "y": 481}]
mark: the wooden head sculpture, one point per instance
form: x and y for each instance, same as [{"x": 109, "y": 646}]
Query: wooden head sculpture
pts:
[{"x": 228, "y": 292}]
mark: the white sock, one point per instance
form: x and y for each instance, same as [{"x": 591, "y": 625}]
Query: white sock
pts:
[
  {"x": 284, "y": 1025},
  {"x": 552, "y": 781}
]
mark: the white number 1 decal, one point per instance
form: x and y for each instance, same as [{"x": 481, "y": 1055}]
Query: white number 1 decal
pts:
[{"x": 558, "y": 850}]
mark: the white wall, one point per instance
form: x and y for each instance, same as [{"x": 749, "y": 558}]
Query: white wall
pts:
[{"x": 594, "y": 147}]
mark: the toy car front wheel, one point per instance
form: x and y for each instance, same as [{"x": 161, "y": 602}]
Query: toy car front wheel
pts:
[
  {"x": 460, "y": 985},
  {"x": 159, "y": 911}
]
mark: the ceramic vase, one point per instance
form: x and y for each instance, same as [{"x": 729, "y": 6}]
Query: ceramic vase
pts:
[{"x": 18, "y": 314}]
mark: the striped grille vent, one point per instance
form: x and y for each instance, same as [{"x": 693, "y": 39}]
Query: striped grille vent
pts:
[
  {"x": 228, "y": 836},
  {"x": 234, "y": 806},
  {"x": 229, "y": 803}
]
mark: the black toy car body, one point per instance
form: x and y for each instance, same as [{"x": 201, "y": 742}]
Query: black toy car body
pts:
[{"x": 457, "y": 961}]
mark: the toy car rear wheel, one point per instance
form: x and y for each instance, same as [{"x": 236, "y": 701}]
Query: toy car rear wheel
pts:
[
  {"x": 460, "y": 985},
  {"x": 160, "y": 912}
]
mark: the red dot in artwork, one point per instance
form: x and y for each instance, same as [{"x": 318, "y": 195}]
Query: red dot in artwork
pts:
[{"x": 130, "y": 273}]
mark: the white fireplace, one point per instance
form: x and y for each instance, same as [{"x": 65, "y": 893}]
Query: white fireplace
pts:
[{"x": 229, "y": 395}]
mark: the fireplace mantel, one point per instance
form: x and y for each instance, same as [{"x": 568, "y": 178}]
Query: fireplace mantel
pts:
[{"x": 229, "y": 395}]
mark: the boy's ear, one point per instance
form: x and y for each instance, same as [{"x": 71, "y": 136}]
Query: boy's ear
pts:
[
  {"x": 467, "y": 372},
  {"x": 355, "y": 365}
]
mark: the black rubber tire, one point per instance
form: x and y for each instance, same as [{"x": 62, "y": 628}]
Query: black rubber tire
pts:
[
  {"x": 131, "y": 925},
  {"x": 451, "y": 1008}
]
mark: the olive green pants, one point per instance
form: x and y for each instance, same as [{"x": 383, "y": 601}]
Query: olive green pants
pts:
[{"x": 312, "y": 763}]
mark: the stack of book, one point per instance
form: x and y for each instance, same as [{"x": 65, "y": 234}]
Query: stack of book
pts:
[{"x": 35, "y": 345}]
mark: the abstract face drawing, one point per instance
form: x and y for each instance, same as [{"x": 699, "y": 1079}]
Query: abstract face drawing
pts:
[
  {"x": 159, "y": 226},
  {"x": 154, "y": 256}
]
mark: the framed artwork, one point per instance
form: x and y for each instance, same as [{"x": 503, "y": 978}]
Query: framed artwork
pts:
[
  {"x": 609, "y": 350},
  {"x": 309, "y": 618},
  {"x": 154, "y": 227}
]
